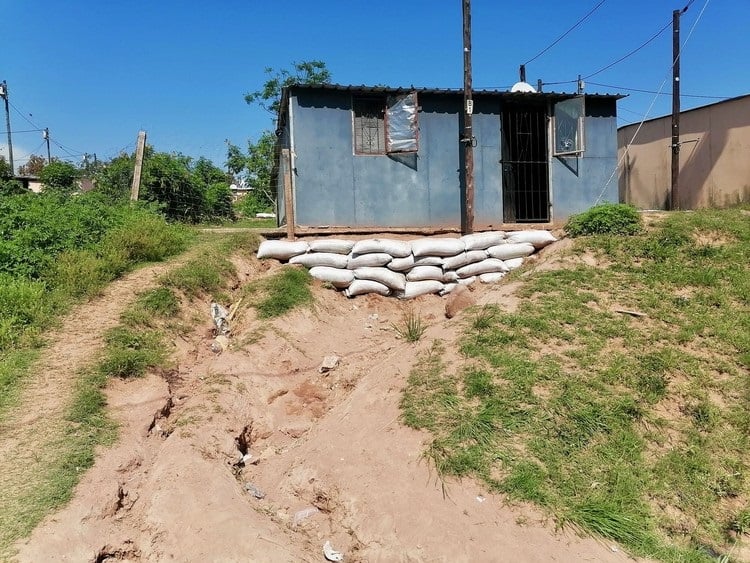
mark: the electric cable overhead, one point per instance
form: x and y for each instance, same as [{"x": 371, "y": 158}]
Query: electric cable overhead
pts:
[
  {"x": 656, "y": 96},
  {"x": 23, "y": 115},
  {"x": 631, "y": 53},
  {"x": 564, "y": 35},
  {"x": 640, "y": 90}
]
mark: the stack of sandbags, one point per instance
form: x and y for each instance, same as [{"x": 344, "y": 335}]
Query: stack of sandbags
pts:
[{"x": 407, "y": 269}]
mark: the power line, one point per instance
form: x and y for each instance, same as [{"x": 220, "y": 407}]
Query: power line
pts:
[
  {"x": 23, "y": 115},
  {"x": 556, "y": 41},
  {"x": 633, "y": 52},
  {"x": 659, "y": 92}
]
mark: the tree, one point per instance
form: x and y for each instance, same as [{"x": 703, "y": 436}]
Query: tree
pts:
[
  {"x": 60, "y": 176},
  {"x": 258, "y": 163},
  {"x": 33, "y": 166},
  {"x": 305, "y": 72},
  {"x": 115, "y": 177},
  {"x": 8, "y": 186}
]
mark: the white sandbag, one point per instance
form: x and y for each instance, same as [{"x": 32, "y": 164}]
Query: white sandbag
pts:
[
  {"x": 407, "y": 263},
  {"x": 459, "y": 260},
  {"x": 420, "y": 273},
  {"x": 539, "y": 238},
  {"x": 368, "y": 260},
  {"x": 467, "y": 281},
  {"x": 514, "y": 263},
  {"x": 396, "y": 248},
  {"x": 482, "y": 241},
  {"x": 437, "y": 246},
  {"x": 511, "y": 250},
  {"x": 281, "y": 249},
  {"x": 401, "y": 264},
  {"x": 417, "y": 288},
  {"x": 336, "y": 276},
  {"x": 388, "y": 278},
  {"x": 312, "y": 259},
  {"x": 361, "y": 287},
  {"x": 428, "y": 261},
  {"x": 450, "y": 276},
  {"x": 492, "y": 277},
  {"x": 335, "y": 245},
  {"x": 483, "y": 267},
  {"x": 447, "y": 288}
]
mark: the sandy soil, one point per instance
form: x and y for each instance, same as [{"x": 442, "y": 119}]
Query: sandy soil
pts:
[{"x": 327, "y": 454}]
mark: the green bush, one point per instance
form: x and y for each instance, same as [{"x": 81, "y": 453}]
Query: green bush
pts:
[{"x": 605, "y": 219}]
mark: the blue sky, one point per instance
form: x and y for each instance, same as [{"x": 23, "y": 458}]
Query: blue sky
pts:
[{"x": 95, "y": 73}]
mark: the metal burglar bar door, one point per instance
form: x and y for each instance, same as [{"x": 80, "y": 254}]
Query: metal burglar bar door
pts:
[{"x": 525, "y": 164}]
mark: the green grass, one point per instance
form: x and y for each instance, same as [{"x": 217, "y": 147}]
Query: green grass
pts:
[
  {"x": 280, "y": 293},
  {"x": 634, "y": 429},
  {"x": 411, "y": 328},
  {"x": 207, "y": 273}
]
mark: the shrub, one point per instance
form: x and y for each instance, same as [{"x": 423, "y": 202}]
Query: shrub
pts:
[{"x": 605, "y": 219}]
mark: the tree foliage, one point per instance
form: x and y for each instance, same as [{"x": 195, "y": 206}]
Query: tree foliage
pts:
[
  {"x": 8, "y": 186},
  {"x": 186, "y": 190},
  {"x": 305, "y": 72},
  {"x": 60, "y": 176},
  {"x": 257, "y": 164},
  {"x": 33, "y": 166}
]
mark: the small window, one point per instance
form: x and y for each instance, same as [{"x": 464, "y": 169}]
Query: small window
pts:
[
  {"x": 568, "y": 129},
  {"x": 385, "y": 125},
  {"x": 369, "y": 125}
]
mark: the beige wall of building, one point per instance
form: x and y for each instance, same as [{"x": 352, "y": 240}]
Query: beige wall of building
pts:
[{"x": 714, "y": 158}]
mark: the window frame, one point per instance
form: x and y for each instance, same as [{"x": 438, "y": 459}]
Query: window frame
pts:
[
  {"x": 385, "y": 104},
  {"x": 579, "y": 146}
]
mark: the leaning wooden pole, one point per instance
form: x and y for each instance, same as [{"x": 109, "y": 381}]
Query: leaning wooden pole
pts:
[
  {"x": 467, "y": 137},
  {"x": 136, "y": 185},
  {"x": 286, "y": 170}
]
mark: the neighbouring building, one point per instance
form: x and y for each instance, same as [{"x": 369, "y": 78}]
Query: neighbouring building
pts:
[
  {"x": 714, "y": 158},
  {"x": 384, "y": 157}
]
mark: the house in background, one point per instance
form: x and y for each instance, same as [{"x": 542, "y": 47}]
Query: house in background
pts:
[
  {"x": 714, "y": 158},
  {"x": 379, "y": 157}
]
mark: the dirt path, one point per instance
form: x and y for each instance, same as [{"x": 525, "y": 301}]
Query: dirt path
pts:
[
  {"x": 328, "y": 458},
  {"x": 30, "y": 431}
]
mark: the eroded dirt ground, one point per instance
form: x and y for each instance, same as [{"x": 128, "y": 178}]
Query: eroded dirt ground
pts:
[{"x": 325, "y": 451}]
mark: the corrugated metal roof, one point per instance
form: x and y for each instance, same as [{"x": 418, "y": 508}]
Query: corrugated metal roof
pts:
[{"x": 362, "y": 89}]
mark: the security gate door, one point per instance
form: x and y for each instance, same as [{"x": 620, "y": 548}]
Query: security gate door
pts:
[{"x": 525, "y": 165}]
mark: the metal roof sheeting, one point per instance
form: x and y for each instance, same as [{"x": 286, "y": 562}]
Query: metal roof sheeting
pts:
[{"x": 362, "y": 89}]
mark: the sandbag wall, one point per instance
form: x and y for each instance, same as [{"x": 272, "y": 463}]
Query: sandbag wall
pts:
[{"x": 407, "y": 269}]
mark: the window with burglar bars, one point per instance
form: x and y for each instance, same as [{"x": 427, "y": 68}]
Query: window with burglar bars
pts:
[
  {"x": 369, "y": 125},
  {"x": 386, "y": 125}
]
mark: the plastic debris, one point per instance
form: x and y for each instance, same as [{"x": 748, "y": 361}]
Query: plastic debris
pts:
[
  {"x": 219, "y": 315},
  {"x": 255, "y": 491},
  {"x": 331, "y": 554},
  {"x": 303, "y": 514},
  {"x": 329, "y": 363}
]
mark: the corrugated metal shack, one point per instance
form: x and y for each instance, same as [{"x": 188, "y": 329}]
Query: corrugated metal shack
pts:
[{"x": 380, "y": 157}]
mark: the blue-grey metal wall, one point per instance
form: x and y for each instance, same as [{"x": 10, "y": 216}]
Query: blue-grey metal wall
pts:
[
  {"x": 578, "y": 182},
  {"x": 335, "y": 187}
]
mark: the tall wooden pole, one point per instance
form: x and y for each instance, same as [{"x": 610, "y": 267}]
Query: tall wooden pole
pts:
[
  {"x": 136, "y": 186},
  {"x": 674, "y": 195},
  {"x": 468, "y": 137},
  {"x": 4, "y": 95}
]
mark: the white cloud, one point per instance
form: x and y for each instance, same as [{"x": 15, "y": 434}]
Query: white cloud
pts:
[{"x": 20, "y": 154}]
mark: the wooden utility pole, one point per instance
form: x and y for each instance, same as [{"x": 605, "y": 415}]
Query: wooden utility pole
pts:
[
  {"x": 136, "y": 186},
  {"x": 286, "y": 171},
  {"x": 45, "y": 135},
  {"x": 467, "y": 137},
  {"x": 674, "y": 194},
  {"x": 4, "y": 96}
]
